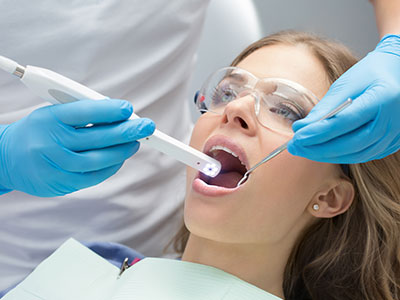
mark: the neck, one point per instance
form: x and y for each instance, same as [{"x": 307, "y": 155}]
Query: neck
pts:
[{"x": 260, "y": 265}]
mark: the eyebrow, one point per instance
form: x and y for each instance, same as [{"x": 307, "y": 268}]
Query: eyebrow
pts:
[
  {"x": 293, "y": 102},
  {"x": 237, "y": 77},
  {"x": 240, "y": 78}
]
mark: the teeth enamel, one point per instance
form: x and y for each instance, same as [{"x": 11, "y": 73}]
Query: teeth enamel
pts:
[{"x": 215, "y": 148}]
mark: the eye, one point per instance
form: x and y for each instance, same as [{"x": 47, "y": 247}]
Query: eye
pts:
[
  {"x": 223, "y": 94},
  {"x": 287, "y": 111}
]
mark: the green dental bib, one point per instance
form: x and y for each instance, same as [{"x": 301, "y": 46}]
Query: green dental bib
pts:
[{"x": 75, "y": 272}]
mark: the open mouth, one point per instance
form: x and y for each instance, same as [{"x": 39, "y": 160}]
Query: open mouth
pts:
[
  {"x": 233, "y": 159},
  {"x": 232, "y": 168}
]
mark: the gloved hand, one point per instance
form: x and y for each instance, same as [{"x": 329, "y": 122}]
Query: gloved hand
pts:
[
  {"x": 367, "y": 129},
  {"x": 51, "y": 153}
]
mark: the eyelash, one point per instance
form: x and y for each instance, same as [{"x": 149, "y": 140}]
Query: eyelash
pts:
[
  {"x": 288, "y": 106},
  {"x": 217, "y": 91}
]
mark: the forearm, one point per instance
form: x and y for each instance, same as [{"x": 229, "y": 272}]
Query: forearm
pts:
[{"x": 387, "y": 14}]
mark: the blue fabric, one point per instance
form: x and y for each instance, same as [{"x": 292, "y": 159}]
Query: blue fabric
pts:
[
  {"x": 2, "y": 293},
  {"x": 113, "y": 252},
  {"x": 4, "y": 191}
]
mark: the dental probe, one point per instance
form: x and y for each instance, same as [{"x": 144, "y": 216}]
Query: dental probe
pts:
[
  {"x": 284, "y": 146},
  {"x": 58, "y": 89}
]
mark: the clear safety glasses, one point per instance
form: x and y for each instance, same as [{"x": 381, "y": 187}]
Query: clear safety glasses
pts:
[{"x": 278, "y": 103}]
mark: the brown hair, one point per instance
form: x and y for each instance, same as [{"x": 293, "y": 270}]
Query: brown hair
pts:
[{"x": 355, "y": 255}]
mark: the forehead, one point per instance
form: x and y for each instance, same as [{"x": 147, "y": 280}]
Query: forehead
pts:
[{"x": 295, "y": 63}]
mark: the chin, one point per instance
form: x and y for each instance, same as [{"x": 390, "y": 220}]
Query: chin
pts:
[{"x": 218, "y": 222}]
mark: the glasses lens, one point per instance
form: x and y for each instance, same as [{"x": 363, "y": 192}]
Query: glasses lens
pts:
[
  {"x": 282, "y": 103},
  {"x": 222, "y": 87}
]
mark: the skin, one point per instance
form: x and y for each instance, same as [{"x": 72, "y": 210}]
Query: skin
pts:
[
  {"x": 250, "y": 233},
  {"x": 387, "y": 13}
]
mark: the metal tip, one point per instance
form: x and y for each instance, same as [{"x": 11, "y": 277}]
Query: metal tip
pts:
[
  {"x": 243, "y": 179},
  {"x": 11, "y": 66}
]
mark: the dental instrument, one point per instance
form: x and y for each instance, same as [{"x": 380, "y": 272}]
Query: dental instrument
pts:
[
  {"x": 58, "y": 89},
  {"x": 283, "y": 147}
]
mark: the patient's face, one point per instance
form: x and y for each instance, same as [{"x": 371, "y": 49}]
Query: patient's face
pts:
[{"x": 274, "y": 203}]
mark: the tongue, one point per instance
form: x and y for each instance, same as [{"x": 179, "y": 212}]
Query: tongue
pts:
[
  {"x": 232, "y": 171},
  {"x": 227, "y": 180}
]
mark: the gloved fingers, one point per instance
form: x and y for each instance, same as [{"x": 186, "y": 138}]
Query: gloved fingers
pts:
[
  {"x": 359, "y": 113},
  {"x": 357, "y": 141},
  {"x": 81, "y": 113},
  {"x": 390, "y": 44},
  {"x": 388, "y": 152},
  {"x": 338, "y": 93},
  {"x": 393, "y": 148},
  {"x": 92, "y": 160},
  {"x": 104, "y": 136},
  {"x": 362, "y": 156}
]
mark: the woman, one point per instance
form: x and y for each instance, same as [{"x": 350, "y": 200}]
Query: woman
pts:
[{"x": 296, "y": 229}]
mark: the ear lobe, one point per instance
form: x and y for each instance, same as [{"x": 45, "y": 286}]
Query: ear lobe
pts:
[{"x": 334, "y": 201}]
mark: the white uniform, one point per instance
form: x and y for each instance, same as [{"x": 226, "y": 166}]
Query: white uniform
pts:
[{"x": 142, "y": 51}]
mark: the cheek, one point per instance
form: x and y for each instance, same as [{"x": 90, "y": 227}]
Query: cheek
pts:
[
  {"x": 288, "y": 178},
  {"x": 282, "y": 190},
  {"x": 290, "y": 181},
  {"x": 201, "y": 131}
]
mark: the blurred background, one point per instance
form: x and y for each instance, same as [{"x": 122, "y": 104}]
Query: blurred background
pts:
[
  {"x": 231, "y": 25},
  {"x": 350, "y": 21}
]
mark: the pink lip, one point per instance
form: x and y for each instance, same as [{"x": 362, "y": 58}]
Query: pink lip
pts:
[
  {"x": 220, "y": 140},
  {"x": 203, "y": 188}
]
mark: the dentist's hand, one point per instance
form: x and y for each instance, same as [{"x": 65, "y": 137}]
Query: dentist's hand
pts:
[
  {"x": 51, "y": 153},
  {"x": 367, "y": 129}
]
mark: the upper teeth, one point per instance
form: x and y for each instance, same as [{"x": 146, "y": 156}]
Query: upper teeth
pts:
[{"x": 215, "y": 148}]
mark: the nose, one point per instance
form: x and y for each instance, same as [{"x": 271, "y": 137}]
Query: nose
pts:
[{"x": 240, "y": 114}]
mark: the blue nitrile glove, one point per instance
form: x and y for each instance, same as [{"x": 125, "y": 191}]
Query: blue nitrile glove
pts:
[
  {"x": 367, "y": 129},
  {"x": 51, "y": 152}
]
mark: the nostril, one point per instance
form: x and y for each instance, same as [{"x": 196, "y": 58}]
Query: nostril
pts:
[{"x": 242, "y": 122}]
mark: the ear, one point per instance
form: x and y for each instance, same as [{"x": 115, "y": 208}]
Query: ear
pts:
[{"x": 333, "y": 201}]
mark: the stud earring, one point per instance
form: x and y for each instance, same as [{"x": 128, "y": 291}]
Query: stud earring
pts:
[{"x": 316, "y": 207}]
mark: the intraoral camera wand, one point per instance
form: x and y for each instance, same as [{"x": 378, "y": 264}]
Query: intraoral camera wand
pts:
[
  {"x": 284, "y": 146},
  {"x": 58, "y": 89}
]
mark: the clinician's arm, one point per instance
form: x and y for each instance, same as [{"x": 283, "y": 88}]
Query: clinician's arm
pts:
[
  {"x": 51, "y": 152},
  {"x": 387, "y": 16},
  {"x": 369, "y": 128}
]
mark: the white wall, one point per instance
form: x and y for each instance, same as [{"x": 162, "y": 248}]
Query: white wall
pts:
[{"x": 349, "y": 21}]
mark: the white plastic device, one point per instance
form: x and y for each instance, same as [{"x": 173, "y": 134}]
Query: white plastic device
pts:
[{"x": 58, "y": 89}]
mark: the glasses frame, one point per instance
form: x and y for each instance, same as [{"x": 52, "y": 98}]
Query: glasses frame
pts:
[{"x": 251, "y": 85}]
